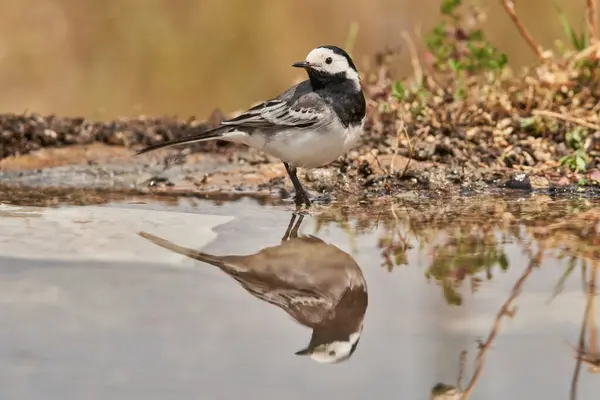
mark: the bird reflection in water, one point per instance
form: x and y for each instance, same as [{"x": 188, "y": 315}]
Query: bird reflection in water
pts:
[{"x": 316, "y": 283}]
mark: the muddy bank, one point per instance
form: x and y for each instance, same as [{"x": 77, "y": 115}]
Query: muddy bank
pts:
[
  {"x": 25, "y": 133},
  {"x": 356, "y": 178}
]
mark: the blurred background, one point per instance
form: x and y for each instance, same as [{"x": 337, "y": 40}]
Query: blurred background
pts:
[{"x": 111, "y": 58}]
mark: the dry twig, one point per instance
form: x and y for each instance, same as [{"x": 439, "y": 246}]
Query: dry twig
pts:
[
  {"x": 461, "y": 368},
  {"x": 588, "y": 357},
  {"x": 505, "y": 310},
  {"x": 591, "y": 316},
  {"x": 568, "y": 118},
  {"x": 509, "y": 7}
]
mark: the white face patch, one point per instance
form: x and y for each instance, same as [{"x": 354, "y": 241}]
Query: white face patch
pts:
[
  {"x": 335, "y": 351},
  {"x": 326, "y": 60}
]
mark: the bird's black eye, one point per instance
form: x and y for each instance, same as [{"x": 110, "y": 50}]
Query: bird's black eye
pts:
[{"x": 328, "y": 60}]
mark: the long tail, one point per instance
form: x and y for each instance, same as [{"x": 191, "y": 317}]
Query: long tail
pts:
[
  {"x": 199, "y": 137},
  {"x": 195, "y": 254}
]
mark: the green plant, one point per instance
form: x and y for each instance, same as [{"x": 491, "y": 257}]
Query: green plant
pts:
[
  {"x": 398, "y": 91},
  {"x": 576, "y": 161},
  {"x": 465, "y": 258},
  {"x": 459, "y": 48},
  {"x": 579, "y": 41},
  {"x": 417, "y": 95}
]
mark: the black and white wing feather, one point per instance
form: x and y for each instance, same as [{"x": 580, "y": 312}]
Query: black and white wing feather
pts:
[
  {"x": 306, "y": 306},
  {"x": 305, "y": 111}
]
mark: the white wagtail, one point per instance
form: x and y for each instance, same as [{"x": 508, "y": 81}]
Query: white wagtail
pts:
[
  {"x": 309, "y": 125},
  {"x": 316, "y": 283}
]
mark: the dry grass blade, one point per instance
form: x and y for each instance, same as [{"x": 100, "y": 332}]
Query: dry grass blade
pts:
[
  {"x": 410, "y": 154},
  {"x": 414, "y": 57},
  {"x": 351, "y": 38},
  {"x": 592, "y": 28},
  {"x": 402, "y": 128}
]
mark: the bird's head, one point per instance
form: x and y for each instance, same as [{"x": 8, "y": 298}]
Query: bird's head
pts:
[
  {"x": 327, "y": 64},
  {"x": 333, "y": 352}
]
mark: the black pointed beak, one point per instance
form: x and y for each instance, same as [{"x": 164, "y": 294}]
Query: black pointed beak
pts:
[
  {"x": 303, "y": 352},
  {"x": 301, "y": 64}
]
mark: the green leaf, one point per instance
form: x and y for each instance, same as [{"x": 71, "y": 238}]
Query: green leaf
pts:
[
  {"x": 502, "y": 60},
  {"x": 565, "y": 159},
  {"x": 527, "y": 122},
  {"x": 452, "y": 296},
  {"x": 503, "y": 261},
  {"x": 579, "y": 42},
  {"x": 453, "y": 65},
  {"x": 565, "y": 23},
  {"x": 476, "y": 35},
  {"x": 581, "y": 163},
  {"x": 398, "y": 91},
  {"x": 493, "y": 64},
  {"x": 448, "y": 6},
  {"x": 476, "y": 51}
]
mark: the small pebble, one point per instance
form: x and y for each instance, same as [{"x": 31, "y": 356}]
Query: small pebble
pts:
[{"x": 519, "y": 181}]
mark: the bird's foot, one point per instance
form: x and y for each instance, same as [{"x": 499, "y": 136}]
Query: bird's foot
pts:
[{"x": 306, "y": 199}]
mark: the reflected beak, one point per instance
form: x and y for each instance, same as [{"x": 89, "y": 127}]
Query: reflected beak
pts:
[
  {"x": 301, "y": 64},
  {"x": 304, "y": 352}
]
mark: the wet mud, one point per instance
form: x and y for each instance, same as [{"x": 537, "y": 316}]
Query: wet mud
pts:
[{"x": 112, "y": 171}]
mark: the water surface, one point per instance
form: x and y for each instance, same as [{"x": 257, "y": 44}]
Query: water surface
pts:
[{"x": 494, "y": 292}]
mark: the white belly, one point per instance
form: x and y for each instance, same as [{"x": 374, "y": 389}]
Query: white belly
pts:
[{"x": 310, "y": 149}]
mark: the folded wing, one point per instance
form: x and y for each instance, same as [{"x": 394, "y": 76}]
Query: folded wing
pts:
[{"x": 305, "y": 112}]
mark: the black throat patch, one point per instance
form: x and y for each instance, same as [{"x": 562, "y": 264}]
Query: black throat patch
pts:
[{"x": 341, "y": 93}]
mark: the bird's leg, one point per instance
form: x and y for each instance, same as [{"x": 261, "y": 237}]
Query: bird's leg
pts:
[
  {"x": 294, "y": 233},
  {"x": 301, "y": 195},
  {"x": 286, "y": 235},
  {"x": 292, "y": 230}
]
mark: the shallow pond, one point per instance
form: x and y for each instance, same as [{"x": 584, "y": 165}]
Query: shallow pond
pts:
[{"x": 492, "y": 296}]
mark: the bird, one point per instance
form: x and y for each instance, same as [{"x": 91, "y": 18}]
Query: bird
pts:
[
  {"x": 317, "y": 284},
  {"x": 309, "y": 125}
]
